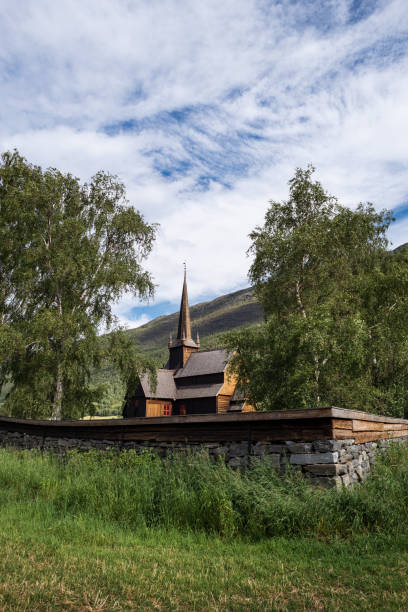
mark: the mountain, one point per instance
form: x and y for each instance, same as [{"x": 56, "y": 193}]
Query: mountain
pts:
[
  {"x": 401, "y": 247},
  {"x": 208, "y": 318}
]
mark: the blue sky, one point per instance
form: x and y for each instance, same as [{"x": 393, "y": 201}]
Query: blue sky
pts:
[{"x": 204, "y": 109}]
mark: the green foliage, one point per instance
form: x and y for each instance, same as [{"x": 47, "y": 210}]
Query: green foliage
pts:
[
  {"x": 336, "y": 303},
  {"x": 190, "y": 492},
  {"x": 67, "y": 252}
]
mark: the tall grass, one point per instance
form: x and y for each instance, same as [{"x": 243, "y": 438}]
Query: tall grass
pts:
[{"x": 190, "y": 492}]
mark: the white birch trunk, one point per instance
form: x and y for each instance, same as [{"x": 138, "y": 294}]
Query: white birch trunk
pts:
[{"x": 57, "y": 403}]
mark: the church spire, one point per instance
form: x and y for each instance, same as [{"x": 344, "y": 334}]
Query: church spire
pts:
[
  {"x": 184, "y": 325},
  {"x": 182, "y": 347}
]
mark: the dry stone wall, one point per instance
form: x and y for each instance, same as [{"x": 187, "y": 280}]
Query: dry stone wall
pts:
[{"x": 328, "y": 463}]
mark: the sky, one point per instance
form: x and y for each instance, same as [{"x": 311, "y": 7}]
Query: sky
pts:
[{"x": 205, "y": 109}]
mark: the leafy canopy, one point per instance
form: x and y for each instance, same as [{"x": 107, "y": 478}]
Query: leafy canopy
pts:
[
  {"x": 336, "y": 307},
  {"x": 67, "y": 252}
]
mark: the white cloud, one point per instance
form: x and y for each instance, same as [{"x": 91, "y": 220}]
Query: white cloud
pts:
[
  {"x": 132, "y": 323},
  {"x": 398, "y": 233},
  {"x": 264, "y": 87}
]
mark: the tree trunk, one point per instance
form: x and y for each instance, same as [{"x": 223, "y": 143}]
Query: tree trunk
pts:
[
  {"x": 317, "y": 377},
  {"x": 315, "y": 357},
  {"x": 57, "y": 403}
]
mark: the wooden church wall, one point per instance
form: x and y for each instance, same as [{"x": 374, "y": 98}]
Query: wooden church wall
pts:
[
  {"x": 248, "y": 408},
  {"x": 230, "y": 382},
  {"x": 197, "y": 405},
  {"x": 157, "y": 408},
  {"x": 203, "y": 379},
  {"x": 223, "y": 402},
  {"x": 135, "y": 407}
]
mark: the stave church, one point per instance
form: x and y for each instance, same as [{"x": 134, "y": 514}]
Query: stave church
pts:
[{"x": 191, "y": 382}]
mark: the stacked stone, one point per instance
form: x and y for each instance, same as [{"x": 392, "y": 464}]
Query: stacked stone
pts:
[
  {"x": 326, "y": 463},
  {"x": 235, "y": 454}
]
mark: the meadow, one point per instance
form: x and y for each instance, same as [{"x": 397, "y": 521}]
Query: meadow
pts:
[{"x": 106, "y": 531}]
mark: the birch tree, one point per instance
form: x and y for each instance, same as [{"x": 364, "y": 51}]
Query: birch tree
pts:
[
  {"x": 67, "y": 253},
  {"x": 334, "y": 298}
]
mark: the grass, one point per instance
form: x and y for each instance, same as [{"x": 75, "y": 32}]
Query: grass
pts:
[
  {"x": 107, "y": 532},
  {"x": 80, "y": 564}
]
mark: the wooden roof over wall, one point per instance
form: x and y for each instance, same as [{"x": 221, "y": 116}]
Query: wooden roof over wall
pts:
[
  {"x": 314, "y": 424},
  {"x": 204, "y": 362},
  {"x": 166, "y": 388}
]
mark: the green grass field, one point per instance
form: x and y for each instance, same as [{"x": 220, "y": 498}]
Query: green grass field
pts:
[
  {"x": 78, "y": 564},
  {"x": 99, "y": 532}
]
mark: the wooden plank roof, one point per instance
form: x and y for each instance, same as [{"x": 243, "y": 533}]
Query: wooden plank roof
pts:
[
  {"x": 313, "y": 424},
  {"x": 194, "y": 391},
  {"x": 204, "y": 362},
  {"x": 166, "y": 388}
]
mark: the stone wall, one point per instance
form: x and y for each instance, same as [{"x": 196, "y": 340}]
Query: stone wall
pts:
[{"x": 326, "y": 462}]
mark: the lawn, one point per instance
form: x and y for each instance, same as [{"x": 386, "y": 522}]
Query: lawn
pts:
[
  {"x": 75, "y": 564},
  {"x": 56, "y": 556}
]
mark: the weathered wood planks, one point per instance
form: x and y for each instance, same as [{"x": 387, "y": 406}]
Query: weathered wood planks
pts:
[
  {"x": 296, "y": 425},
  {"x": 368, "y": 431}
]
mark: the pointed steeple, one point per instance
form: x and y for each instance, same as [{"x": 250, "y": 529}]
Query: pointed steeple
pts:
[
  {"x": 184, "y": 325},
  {"x": 182, "y": 347}
]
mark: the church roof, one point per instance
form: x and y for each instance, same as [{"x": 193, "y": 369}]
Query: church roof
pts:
[
  {"x": 204, "y": 362},
  {"x": 193, "y": 391},
  {"x": 166, "y": 389}
]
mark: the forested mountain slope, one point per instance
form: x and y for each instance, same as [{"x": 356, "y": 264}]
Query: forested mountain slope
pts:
[{"x": 208, "y": 318}]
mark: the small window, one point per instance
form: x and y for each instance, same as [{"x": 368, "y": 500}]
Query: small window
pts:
[
  {"x": 167, "y": 410},
  {"x": 183, "y": 409}
]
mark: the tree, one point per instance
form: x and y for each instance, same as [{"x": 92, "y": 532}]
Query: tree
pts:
[
  {"x": 67, "y": 252},
  {"x": 335, "y": 302}
]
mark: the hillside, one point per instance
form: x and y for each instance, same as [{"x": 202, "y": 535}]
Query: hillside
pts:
[{"x": 209, "y": 318}]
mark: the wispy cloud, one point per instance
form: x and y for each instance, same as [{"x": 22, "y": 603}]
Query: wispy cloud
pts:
[{"x": 205, "y": 109}]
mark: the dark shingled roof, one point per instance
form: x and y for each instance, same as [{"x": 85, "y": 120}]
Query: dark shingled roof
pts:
[
  {"x": 238, "y": 395},
  {"x": 166, "y": 389},
  {"x": 198, "y": 391},
  {"x": 204, "y": 362},
  {"x": 237, "y": 401}
]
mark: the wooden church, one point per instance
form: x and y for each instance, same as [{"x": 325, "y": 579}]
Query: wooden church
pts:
[{"x": 192, "y": 381}]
